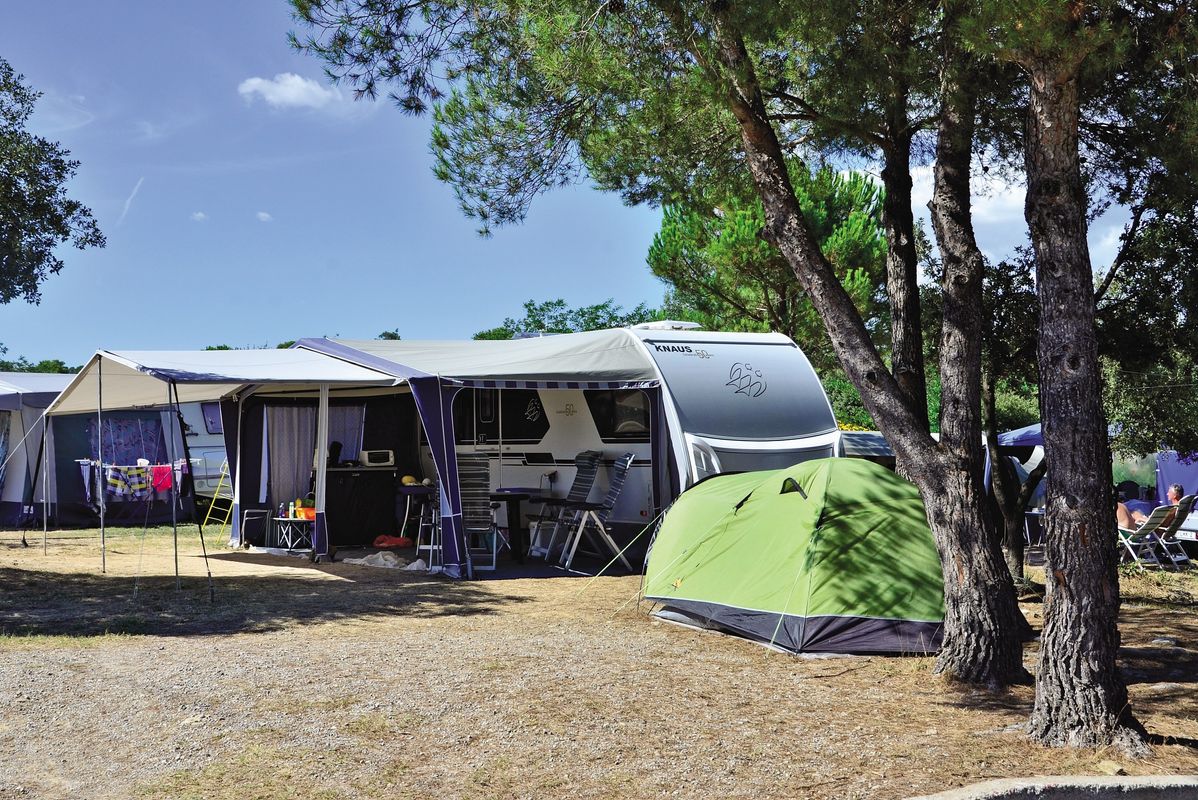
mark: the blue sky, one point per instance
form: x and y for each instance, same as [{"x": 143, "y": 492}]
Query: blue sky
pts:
[{"x": 246, "y": 201}]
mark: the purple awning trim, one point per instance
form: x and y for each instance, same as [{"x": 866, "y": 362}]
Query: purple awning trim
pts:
[{"x": 493, "y": 384}]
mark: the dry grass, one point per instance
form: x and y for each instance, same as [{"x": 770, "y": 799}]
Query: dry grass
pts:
[{"x": 335, "y": 681}]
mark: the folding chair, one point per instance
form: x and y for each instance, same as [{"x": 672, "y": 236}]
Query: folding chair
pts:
[
  {"x": 483, "y": 538},
  {"x": 1142, "y": 543},
  {"x": 590, "y": 519},
  {"x": 1169, "y": 545},
  {"x": 544, "y": 525}
]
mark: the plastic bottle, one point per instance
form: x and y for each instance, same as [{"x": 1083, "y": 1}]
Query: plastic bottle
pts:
[{"x": 291, "y": 510}]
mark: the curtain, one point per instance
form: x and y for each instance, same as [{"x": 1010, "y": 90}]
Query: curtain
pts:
[
  {"x": 291, "y": 440},
  {"x": 5, "y": 418},
  {"x": 345, "y": 426},
  {"x": 126, "y": 440}
]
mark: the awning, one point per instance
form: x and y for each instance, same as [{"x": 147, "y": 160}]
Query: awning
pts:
[
  {"x": 594, "y": 359},
  {"x": 141, "y": 379},
  {"x": 34, "y": 389}
]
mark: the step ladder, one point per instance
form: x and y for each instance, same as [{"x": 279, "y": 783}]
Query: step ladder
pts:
[{"x": 221, "y": 505}]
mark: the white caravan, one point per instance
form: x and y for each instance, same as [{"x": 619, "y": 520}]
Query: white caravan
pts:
[
  {"x": 726, "y": 402},
  {"x": 205, "y": 447}
]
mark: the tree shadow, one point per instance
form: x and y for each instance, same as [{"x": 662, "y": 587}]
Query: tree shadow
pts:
[{"x": 46, "y": 603}]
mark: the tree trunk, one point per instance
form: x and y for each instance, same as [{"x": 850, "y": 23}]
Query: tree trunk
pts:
[
  {"x": 898, "y": 220},
  {"x": 902, "y": 271},
  {"x": 1007, "y": 495},
  {"x": 972, "y": 555},
  {"x": 978, "y": 641},
  {"x": 1081, "y": 699}
]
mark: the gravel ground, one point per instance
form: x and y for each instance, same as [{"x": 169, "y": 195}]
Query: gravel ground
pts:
[{"x": 338, "y": 681}]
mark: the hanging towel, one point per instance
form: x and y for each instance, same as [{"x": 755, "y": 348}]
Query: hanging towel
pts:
[
  {"x": 118, "y": 484},
  {"x": 161, "y": 477}
]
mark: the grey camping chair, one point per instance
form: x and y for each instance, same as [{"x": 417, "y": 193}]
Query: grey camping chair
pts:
[
  {"x": 590, "y": 519},
  {"x": 483, "y": 539},
  {"x": 551, "y": 519},
  {"x": 1172, "y": 548}
]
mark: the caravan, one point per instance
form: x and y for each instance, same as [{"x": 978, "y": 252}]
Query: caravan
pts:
[{"x": 723, "y": 402}]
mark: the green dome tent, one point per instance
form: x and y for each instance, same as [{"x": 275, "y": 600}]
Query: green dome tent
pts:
[{"x": 832, "y": 555}]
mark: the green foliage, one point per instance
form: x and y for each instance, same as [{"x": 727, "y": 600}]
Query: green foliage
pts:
[
  {"x": 1154, "y": 408},
  {"x": 54, "y": 366},
  {"x": 390, "y": 336},
  {"x": 846, "y": 402},
  {"x": 35, "y": 213},
  {"x": 555, "y": 316},
  {"x": 721, "y": 273},
  {"x": 1015, "y": 405}
]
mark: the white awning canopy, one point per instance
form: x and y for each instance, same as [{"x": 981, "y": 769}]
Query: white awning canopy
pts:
[
  {"x": 142, "y": 378},
  {"x": 602, "y": 356}
]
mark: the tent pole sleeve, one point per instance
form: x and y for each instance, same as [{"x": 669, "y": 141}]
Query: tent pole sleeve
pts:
[
  {"x": 433, "y": 401},
  {"x": 320, "y": 543}
]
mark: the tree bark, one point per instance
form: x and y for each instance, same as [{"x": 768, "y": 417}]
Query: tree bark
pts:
[
  {"x": 1081, "y": 699},
  {"x": 973, "y": 554},
  {"x": 902, "y": 269},
  {"x": 978, "y": 646}
]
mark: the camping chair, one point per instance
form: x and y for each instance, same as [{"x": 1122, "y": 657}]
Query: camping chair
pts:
[
  {"x": 483, "y": 538},
  {"x": 588, "y": 516},
  {"x": 1169, "y": 545},
  {"x": 1142, "y": 543},
  {"x": 552, "y": 517}
]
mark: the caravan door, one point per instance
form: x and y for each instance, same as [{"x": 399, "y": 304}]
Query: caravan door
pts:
[{"x": 739, "y": 402}]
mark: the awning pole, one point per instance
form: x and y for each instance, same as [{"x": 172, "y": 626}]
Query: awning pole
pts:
[
  {"x": 100, "y": 457},
  {"x": 320, "y": 544},
  {"x": 174, "y": 492},
  {"x": 499, "y": 467},
  {"x": 45, "y": 482}
]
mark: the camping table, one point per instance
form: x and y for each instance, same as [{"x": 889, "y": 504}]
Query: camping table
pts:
[
  {"x": 418, "y": 490},
  {"x": 293, "y": 533},
  {"x": 513, "y": 497}
]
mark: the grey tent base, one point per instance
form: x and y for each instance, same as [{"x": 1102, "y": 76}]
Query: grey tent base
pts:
[{"x": 821, "y": 634}]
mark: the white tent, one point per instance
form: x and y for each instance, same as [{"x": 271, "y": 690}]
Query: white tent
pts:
[
  {"x": 24, "y": 397},
  {"x": 158, "y": 379}
]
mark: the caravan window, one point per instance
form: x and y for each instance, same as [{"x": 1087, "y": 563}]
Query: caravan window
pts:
[
  {"x": 212, "y": 421},
  {"x": 742, "y": 391},
  {"x": 477, "y": 414},
  {"x": 620, "y": 415}
]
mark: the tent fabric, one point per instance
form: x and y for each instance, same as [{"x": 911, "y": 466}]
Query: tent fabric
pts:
[
  {"x": 1029, "y": 436},
  {"x": 1171, "y": 467},
  {"x": 604, "y": 358},
  {"x": 36, "y": 389},
  {"x": 832, "y": 555},
  {"x": 140, "y": 379}
]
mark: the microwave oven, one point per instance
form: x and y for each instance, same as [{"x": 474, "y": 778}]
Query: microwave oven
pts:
[{"x": 376, "y": 458}]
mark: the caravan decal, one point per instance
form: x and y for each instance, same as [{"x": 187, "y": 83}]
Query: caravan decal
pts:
[
  {"x": 745, "y": 380},
  {"x": 683, "y": 349}
]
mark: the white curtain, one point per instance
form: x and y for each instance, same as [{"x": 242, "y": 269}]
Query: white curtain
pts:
[
  {"x": 345, "y": 426},
  {"x": 291, "y": 438}
]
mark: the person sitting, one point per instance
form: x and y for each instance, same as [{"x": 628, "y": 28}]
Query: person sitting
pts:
[
  {"x": 1127, "y": 519},
  {"x": 1174, "y": 494}
]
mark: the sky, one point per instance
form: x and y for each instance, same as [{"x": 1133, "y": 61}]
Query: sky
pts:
[{"x": 247, "y": 201}]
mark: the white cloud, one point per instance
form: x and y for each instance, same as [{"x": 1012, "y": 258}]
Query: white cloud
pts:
[
  {"x": 199, "y": 216},
  {"x": 56, "y": 113},
  {"x": 288, "y": 90},
  {"x": 129, "y": 199},
  {"x": 263, "y": 216}
]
